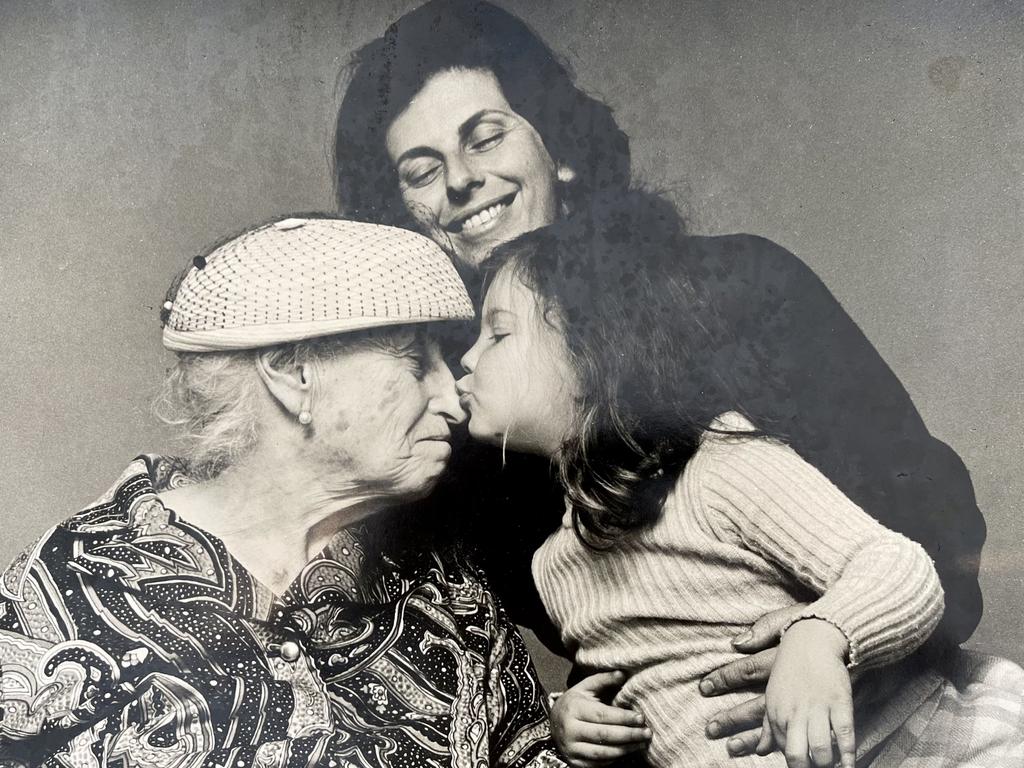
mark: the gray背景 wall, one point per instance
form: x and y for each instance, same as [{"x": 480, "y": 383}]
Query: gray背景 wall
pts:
[{"x": 882, "y": 141}]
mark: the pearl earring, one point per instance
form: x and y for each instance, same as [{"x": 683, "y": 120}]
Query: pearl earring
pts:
[{"x": 305, "y": 418}]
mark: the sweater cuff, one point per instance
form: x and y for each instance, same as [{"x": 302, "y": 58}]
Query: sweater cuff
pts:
[{"x": 882, "y": 620}]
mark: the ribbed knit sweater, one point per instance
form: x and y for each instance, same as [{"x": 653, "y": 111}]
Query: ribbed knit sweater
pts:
[{"x": 749, "y": 528}]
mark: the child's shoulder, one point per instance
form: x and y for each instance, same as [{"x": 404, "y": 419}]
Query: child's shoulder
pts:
[
  {"x": 715, "y": 472},
  {"x": 734, "y": 452},
  {"x": 728, "y": 433},
  {"x": 728, "y": 424},
  {"x": 725, "y": 440}
]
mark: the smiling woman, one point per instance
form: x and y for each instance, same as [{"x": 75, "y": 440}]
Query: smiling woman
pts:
[
  {"x": 469, "y": 166},
  {"x": 450, "y": 85}
]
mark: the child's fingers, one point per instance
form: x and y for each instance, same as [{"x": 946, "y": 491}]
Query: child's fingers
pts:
[
  {"x": 819, "y": 739},
  {"x": 796, "y": 743},
  {"x": 598, "y": 754},
  {"x": 601, "y": 682},
  {"x": 612, "y": 735},
  {"x": 842, "y": 727},
  {"x": 604, "y": 714}
]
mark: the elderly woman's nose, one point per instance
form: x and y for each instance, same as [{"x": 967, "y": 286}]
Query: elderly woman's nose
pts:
[
  {"x": 444, "y": 398},
  {"x": 448, "y": 405}
]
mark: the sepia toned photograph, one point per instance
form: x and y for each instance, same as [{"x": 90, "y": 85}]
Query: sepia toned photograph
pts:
[{"x": 512, "y": 383}]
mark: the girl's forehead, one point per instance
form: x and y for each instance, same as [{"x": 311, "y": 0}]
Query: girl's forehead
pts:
[
  {"x": 508, "y": 296},
  {"x": 501, "y": 290}
]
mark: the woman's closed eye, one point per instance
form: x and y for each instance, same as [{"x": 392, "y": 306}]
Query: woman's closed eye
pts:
[
  {"x": 417, "y": 366},
  {"x": 419, "y": 361},
  {"x": 485, "y": 137},
  {"x": 486, "y": 142},
  {"x": 419, "y": 174}
]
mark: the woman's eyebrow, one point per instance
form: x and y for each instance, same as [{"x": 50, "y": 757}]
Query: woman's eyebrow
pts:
[{"x": 414, "y": 152}]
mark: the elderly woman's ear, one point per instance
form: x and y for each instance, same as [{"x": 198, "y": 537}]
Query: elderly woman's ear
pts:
[{"x": 289, "y": 383}]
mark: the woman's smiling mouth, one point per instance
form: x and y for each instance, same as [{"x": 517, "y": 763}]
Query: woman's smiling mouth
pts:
[{"x": 481, "y": 220}]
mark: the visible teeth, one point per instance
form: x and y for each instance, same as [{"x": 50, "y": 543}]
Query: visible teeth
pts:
[{"x": 482, "y": 217}]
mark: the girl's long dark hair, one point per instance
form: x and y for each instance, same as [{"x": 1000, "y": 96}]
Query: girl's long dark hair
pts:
[{"x": 624, "y": 287}]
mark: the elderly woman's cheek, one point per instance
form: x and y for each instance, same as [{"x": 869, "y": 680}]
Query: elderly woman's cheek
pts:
[
  {"x": 334, "y": 446},
  {"x": 400, "y": 423}
]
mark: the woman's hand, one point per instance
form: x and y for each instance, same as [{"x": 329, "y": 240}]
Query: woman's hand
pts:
[
  {"x": 809, "y": 698},
  {"x": 590, "y": 733},
  {"x": 742, "y": 724}
]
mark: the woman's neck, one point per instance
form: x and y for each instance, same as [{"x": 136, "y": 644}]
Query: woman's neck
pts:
[{"x": 273, "y": 516}]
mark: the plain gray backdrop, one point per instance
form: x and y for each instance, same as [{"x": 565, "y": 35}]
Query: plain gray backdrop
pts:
[{"x": 882, "y": 141}]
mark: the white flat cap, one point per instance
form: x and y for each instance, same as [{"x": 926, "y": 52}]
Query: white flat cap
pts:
[{"x": 301, "y": 278}]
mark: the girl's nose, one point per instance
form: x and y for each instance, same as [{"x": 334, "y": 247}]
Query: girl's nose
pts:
[{"x": 468, "y": 361}]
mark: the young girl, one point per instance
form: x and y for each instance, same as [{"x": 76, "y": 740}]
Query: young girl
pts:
[{"x": 687, "y": 519}]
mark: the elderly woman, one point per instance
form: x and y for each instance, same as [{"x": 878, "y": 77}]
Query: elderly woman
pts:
[
  {"x": 461, "y": 122},
  {"x": 232, "y": 608}
]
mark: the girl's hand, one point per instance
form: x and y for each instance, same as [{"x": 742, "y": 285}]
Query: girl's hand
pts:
[
  {"x": 809, "y": 698},
  {"x": 590, "y": 733}
]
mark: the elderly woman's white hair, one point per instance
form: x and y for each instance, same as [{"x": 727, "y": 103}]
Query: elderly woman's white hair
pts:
[{"x": 300, "y": 290}]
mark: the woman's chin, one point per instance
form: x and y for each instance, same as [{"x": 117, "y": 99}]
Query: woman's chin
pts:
[
  {"x": 423, "y": 484},
  {"x": 472, "y": 252},
  {"x": 469, "y": 256}
]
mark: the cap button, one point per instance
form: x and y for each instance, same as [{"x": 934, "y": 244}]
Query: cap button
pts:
[
  {"x": 286, "y": 224},
  {"x": 290, "y": 650}
]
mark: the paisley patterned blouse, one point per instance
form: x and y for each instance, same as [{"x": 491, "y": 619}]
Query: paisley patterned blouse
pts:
[{"x": 130, "y": 638}]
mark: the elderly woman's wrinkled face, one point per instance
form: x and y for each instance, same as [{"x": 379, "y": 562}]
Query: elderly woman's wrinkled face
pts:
[
  {"x": 472, "y": 171},
  {"x": 383, "y": 415},
  {"x": 520, "y": 389}
]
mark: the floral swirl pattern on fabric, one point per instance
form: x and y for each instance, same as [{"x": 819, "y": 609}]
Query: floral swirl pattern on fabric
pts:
[{"x": 130, "y": 638}]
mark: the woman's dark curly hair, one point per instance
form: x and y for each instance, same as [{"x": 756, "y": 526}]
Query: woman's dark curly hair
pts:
[
  {"x": 385, "y": 74},
  {"x": 623, "y": 287}
]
